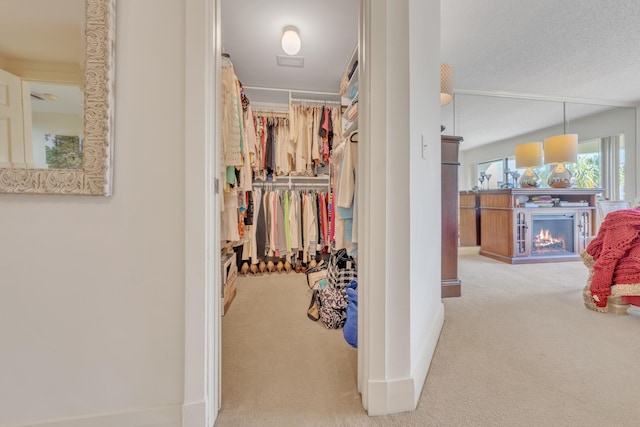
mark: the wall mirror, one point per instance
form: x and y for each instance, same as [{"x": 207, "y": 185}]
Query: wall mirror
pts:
[
  {"x": 493, "y": 125},
  {"x": 57, "y": 96}
]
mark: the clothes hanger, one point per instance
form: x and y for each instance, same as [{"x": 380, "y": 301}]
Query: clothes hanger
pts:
[{"x": 352, "y": 135}]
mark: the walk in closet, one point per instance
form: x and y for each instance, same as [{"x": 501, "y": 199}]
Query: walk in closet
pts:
[{"x": 288, "y": 158}]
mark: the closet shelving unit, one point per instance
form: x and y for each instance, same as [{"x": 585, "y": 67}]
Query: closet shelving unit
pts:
[
  {"x": 293, "y": 97},
  {"x": 293, "y": 181},
  {"x": 349, "y": 97}
]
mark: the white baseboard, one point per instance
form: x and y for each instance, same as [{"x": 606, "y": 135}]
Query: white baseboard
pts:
[
  {"x": 164, "y": 416},
  {"x": 390, "y": 397},
  {"x": 421, "y": 368},
  {"x": 194, "y": 414},
  {"x": 402, "y": 395}
]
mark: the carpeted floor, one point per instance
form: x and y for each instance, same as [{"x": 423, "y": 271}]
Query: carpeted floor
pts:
[{"x": 517, "y": 349}]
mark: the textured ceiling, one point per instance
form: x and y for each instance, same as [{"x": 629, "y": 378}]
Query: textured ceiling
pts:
[
  {"x": 583, "y": 51},
  {"x": 588, "y": 49}
]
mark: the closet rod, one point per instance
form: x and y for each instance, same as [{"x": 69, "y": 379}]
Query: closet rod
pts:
[
  {"x": 284, "y": 114},
  {"x": 295, "y": 179},
  {"x": 296, "y": 185},
  {"x": 290, "y": 181},
  {"x": 284, "y": 184},
  {"x": 311, "y": 92},
  {"x": 315, "y": 101}
]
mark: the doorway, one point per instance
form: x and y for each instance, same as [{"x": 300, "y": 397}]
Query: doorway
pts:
[
  {"x": 297, "y": 92},
  {"x": 392, "y": 367}
]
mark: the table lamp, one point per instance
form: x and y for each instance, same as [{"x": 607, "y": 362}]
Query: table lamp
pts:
[
  {"x": 529, "y": 155},
  {"x": 561, "y": 149}
]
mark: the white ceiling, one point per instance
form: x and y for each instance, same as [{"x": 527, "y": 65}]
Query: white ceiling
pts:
[
  {"x": 583, "y": 51},
  {"x": 251, "y": 32},
  {"x": 45, "y": 31},
  {"x": 27, "y": 26},
  {"x": 576, "y": 50},
  {"x": 588, "y": 49}
]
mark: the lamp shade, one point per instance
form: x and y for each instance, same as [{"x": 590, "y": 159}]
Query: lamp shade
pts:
[
  {"x": 290, "y": 41},
  {"x": 561, "y": 149},
  {"x": 446, "y": 84},
  {"x": 529, "y": 155}
]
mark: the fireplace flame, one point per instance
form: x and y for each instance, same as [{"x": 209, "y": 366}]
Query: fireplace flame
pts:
[{"x": 545, "y": 239}]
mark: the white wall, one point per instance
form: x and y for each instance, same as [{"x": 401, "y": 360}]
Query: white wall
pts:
[
  {"x": 401, "y": 279},
  {"x": 92, "y": 288},
  {"x": 427, "y": 310}
]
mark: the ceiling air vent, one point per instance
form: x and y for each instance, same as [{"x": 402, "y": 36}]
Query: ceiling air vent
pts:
[{"x": 290, "y": 61}]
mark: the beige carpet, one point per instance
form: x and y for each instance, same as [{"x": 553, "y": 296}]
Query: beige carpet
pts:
[{"x": 517, "y": 349}]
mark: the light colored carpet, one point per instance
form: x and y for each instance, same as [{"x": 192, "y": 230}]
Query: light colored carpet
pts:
[{"x": 517, "y": 349}]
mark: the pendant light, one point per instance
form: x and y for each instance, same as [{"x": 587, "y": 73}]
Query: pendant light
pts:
[{"x": 446, "y": 84}]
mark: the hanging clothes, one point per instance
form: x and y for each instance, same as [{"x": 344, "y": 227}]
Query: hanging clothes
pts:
[
  {"x": 287, "y": 222},
  {"x": 249, "y": 148},
  {"x": 231, "y": 121},
  {"x": 295, "y": 145},
  {"x": 229, "y": 217},
  {"x": 315, "y": 144}
]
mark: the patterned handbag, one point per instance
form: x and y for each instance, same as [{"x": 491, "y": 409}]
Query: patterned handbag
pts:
[
  {"x": 341, "y": 270},
  {"x": 316, "y": 274},
  {"x": 333, "y": 307}
]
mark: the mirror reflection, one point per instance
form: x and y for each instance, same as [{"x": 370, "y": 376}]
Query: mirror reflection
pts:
[
  {"x": 56, "y": 125},
  {"x": 492, "y": 126},
  {"x": 41, "y": 63},
  {"x": 57, "y": 96}
]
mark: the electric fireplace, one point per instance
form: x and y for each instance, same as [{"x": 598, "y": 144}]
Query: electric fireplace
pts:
[
  {"x": 552, "y": 234},
  {"x": 517, "y": 232}
]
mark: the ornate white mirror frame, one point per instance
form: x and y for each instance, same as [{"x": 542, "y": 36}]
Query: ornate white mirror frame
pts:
[{"x": 96, "y": 175}]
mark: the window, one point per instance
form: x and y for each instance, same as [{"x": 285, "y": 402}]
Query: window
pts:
[
  {"x": 491, "y": 174},
  {"x": 600, "y": 165}
]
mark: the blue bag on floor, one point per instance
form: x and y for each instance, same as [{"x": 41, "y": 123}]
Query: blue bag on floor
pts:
[{"x": 351, "y": 325}]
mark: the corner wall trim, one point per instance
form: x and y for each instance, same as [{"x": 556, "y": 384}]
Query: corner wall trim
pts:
[{"x": 391, "y": 396}]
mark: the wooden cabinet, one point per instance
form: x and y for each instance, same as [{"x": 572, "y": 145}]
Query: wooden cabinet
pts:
[
  {"x": 451, "y": 285},
  {"x": 515, "y": 228},
  {"x": 469, "y": 218}
]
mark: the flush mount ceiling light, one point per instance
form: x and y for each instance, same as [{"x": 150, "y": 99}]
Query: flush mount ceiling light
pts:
[{"x": 290, "y": 40}]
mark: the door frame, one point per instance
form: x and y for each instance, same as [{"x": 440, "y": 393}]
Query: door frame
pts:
[{"x": 202, "y": 390}]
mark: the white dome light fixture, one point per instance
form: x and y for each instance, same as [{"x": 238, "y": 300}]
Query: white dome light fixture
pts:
[{"x": 291, "y": 40}]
